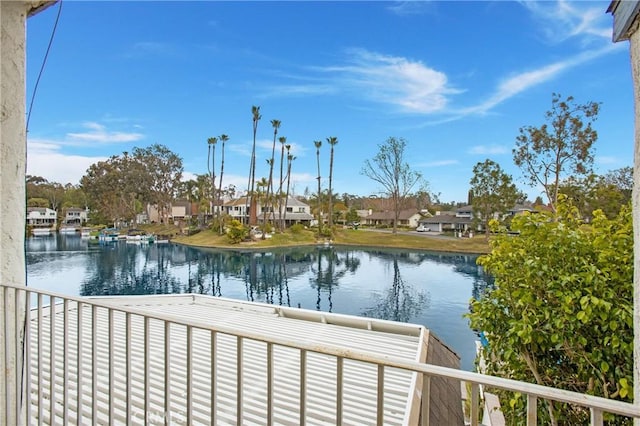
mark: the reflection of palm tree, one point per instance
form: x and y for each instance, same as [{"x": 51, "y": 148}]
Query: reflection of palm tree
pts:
[
  {"x": 401, "y": 302},
  {"x": 326, "y": 278}
]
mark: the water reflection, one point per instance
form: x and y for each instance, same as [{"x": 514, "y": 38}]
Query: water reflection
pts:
[{"x": 433, "y": 289}]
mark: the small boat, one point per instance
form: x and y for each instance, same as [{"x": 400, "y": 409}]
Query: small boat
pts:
[
  {"x": 85, "y": 232},
  {"x": 108, "y": 235},
  {"x": 68, "y": 229},
  {"x": 161, "y": 239},
  {"x": 40, "y": 231}
]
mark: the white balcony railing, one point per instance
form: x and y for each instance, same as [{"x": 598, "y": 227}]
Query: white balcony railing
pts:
[{"x": 77, "y": 377}]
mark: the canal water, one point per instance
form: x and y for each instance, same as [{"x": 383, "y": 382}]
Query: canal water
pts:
[{"x": 433, "y": 289}]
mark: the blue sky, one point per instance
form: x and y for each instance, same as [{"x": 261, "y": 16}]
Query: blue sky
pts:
[{"x": 456, "y": 80}]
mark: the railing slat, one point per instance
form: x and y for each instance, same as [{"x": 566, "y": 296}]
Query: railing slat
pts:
[
  {"x": 339, "y": 389},
  {"x": 167, "y": 373},
  {"x": 40, "y": 344},
  {"x": 425, "y": 414},
  {"x": 269, "y": 384},
  {"x": 380, "y": 396},
  {"x": 111, "y": 371},
  {"x": 214, "y": 388},
  {"x": 596, "y": 417},
  {"x": 239, "y": 380},
  {"x": 65, "y": 349},
  {"x": 52, "y": 358},
  {"x": 303, "y": 387},
  {"x": 189, "y": 375},
  {"x": 80, "y": 361},
  {"x": 94, "y": 365},
  {"x": 27, "y": 355},
  {"x": 475, "y": 402},
  {"x": 532, "y": 410},
  {"x": 128, "y": 365},
  {"x": 146, "y": 349}
]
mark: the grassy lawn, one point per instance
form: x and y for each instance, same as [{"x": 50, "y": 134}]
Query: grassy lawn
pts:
[{"x": 360, "y": 237}]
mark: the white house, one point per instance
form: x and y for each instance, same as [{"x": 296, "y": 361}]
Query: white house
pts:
[
  {"x": 41, "y": 217},
  {"x": 297, "y": 211},
  {"x": 75, "y": 216}
]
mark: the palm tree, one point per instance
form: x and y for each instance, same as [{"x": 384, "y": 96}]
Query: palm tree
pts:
[
  {"x": 283, "y": 141},
  {"x": 290, "y": 159},
  {"x": 223, "y": 138},
  {"x": 255, "y": 111},
  {"x": 318, "y": 144},
  {"x": 276, "y": 126},
  {"x": 267, "y": 200},
  {"x": 332, "y": 140},
  {"x": 211, "y": 142}
]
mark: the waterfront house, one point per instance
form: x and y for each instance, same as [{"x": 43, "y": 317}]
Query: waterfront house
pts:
[
  {"x": 297, "y": 211},
  {"x": 74, "y": 216},
  {"x": 41, "y": 217},
  {"x": 408, "y": 218}
]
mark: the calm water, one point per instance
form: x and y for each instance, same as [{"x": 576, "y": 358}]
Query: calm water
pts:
[{"x": 419, "y": 287}]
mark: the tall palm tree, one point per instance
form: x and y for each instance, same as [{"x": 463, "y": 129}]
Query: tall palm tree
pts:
[
  {"x": 290, "y": 159},
  {"x": 255, "y": 111},
  {"x": 267, "y": 202},
  {"x": 276, "y": 126},
  {"x": 283, "y": 141},
  {"x": 318, "y": 144},
  {"x": 211, "y": 142},
  {"x": 332, "y": 140},
  {"x": 223, "y": 138}
]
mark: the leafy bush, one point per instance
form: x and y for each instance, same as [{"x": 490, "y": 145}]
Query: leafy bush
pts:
[
  {"x": 236, "y": 231},
  {"x": 297, "y": 228},
  {"x": 561, "y": 310}
]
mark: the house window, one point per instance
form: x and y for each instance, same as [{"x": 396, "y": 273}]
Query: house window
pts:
[
  {"x": 289, "y": 209},
  {"x": 300, "y": 209}
]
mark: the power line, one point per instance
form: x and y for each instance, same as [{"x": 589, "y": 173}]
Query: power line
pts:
[{"x": 44, "y": 61}]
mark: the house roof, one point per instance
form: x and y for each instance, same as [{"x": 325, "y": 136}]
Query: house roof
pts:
[
  {"x": 390, "y": 215},
  {"x": 625, "y": 18},
  {"x": 445, "y": 218}
]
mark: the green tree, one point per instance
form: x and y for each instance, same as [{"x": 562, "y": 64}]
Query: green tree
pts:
[
  {"x": 389, "y": 169},
  {"x": 332, "y": 140},
  {"x": 162, "y": 178},
  {"x": 493, "y": 192},
  {"x": 561, "y": 146},
  {"x": 561, "y": 311}
]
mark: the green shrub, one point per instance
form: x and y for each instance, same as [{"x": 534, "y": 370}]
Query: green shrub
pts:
[
  {"x": 236, "y": 231},
  {"x": 297, "y": 228}
]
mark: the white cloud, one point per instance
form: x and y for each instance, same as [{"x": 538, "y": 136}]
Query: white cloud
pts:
[
  {"x": 405, "y": 8},
  {"x": 45, "y": 159},
  {"x": 606, "y": 160},
  {"x": 525, "y": 80},
  {"x": 441, "y": 163},
  {"x": 488, "y": 150},
  {"x": 99, "y": 133},
  {"x": 409, "y": 85},
  {"x": 562, "y": 20}
]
